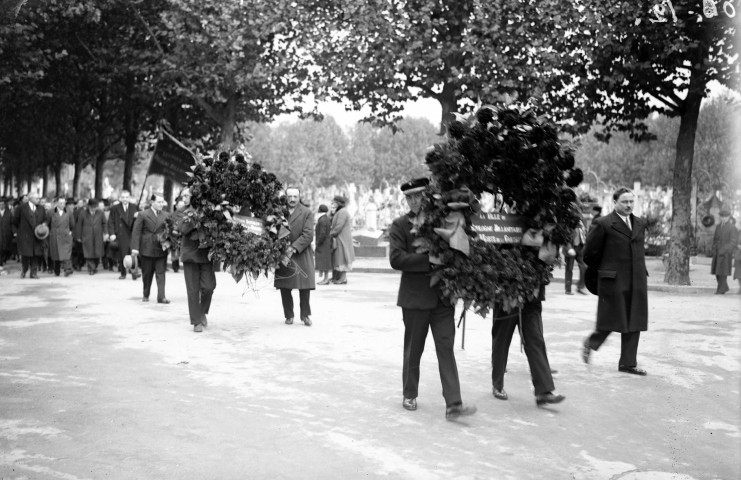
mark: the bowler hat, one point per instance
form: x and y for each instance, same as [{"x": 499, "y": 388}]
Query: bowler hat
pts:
[
  {"x": 41, "y": 231},
  {"x": 129, "y": 262},
  {"x": 340, "y": 200},
  {"x": 113, "y": 245}
]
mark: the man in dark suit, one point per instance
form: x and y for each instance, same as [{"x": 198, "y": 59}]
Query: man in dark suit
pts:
[
  {"x": 120, "y": 225},
  {"x": 149, "y": 224},
  {"x": 198, "y": 269},
  {"x": 26, "y": 218},
  {"x": 725, "y": 239},
  {"x": 615, "y": 250},
  {"x": 89, "y": 231},
  {"x": 297, "y": 270},
  {"x": 423, "y": 308}
]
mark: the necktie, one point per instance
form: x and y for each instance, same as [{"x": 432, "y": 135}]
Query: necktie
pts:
[
  {"x": 124, "y": 208},
  {"x": 627, "y": 222},
  {"x": 33, "y": 207}
]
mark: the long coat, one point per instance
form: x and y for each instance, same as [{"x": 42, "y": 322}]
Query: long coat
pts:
[
  {"x": 344, "y": 254},
  {"x": 60, "y": 235},
  {"x": 323, "y": 244},
  {"x": 25, "y": 222},
  {"x": 725, "y": 239},
  {"x": 147, "y": 228},
  {"x": 89, "y": 230},
  {"x": 121, "y": 224},
  {"x": 414, "y": 290},
  {"x": 617, "y": 253},
  {"x": 300, "y": 272},
  {"x": 6, "y": 229}
]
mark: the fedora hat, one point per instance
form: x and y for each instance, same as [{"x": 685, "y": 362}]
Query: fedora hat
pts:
[
  {"x": 41, "y": 231},
  {"x": 129, "y": 262}
]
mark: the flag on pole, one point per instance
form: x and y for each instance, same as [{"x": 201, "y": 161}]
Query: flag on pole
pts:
[{"x": 171, "y": 159}]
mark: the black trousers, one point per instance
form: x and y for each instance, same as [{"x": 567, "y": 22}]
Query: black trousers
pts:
[
  {"x": 30, "y": 262},
  {"x": 151, "y": 267},
  {"x": 92, "y": 264},
  {"x": 63, "y": 264},
  {"x": 628, "y": 345},
  {"x": 531, "y": 332},
  {"x": 4, "y": 256},
  {"x": 416, "y": 325},
  {"x": 286, "y": 298},
  {"x": 200, "y": 283},
  {"x": 569, "y": 268},
  {"x": 722, "y": 283}
]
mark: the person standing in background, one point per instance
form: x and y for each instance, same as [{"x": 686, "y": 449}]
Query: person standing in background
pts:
[
  {"x": 148, "y": 226},
  {"x": 6, "y": 231},
  {"x": 323, "y": 255},
  {"x": 725, "y": 239},
  {"x": 120, "y": 225},
  {"x": 89, "y": 230},
  {"x": 343, "y": 253},
  {"x": 26, "y": 218}
]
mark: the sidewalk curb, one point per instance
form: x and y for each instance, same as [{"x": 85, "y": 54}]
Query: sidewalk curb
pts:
[{"x": 683, "y": 289}]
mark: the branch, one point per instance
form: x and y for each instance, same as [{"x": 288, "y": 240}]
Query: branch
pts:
[
  {"x": 149, "y": 30},
  {"x": 210, "y": 111}
]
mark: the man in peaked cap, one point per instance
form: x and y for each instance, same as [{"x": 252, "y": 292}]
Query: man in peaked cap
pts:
[{"x": 423, "y": 308}]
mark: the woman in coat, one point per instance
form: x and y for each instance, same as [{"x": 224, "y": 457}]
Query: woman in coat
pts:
[
  {"x": 61, "y": 226},
  {"x": 89, "y": 230},
  {"x": 725, "y": 239},
  {"x": 341, "y": 233},
  {"x": 323, "y": 254}
]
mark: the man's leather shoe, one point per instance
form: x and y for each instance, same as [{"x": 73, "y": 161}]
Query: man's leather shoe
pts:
[
  {"x": 460, "y": 410},
  {"x": 581, "y": 290},
  {"x": 569, "y": 293},
  {"x": 163, "y": 300},
  {"x": 547, "y": 398},
  {"x": 633, "y": 370},
  {"x": 306, "y": 320},
  {"x": 34, "y": 276},
  {"x": 289, "y": 321},
  {"x": 134, "y": 276},
  {"x": 198, "y": 328},
  {"x": 204, "y": 322},
  {"x": 23, "y": 274},
  {"x": 122, "y": 277},
  {"x": 409, "y": 403},
  {"x": 500, "y": 394},
  {"x": 145, "y": 299},
  {"x": 586, "y": 350}
]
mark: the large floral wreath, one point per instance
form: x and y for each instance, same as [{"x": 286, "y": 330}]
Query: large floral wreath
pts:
[
  {"x": 508, "y": 152},
  {"x": 223, "y": 190}
]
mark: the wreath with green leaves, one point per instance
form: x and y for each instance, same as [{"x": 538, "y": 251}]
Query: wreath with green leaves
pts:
[
  {"x": 223, "y": 188},
  {"x": 513, "y": 153}
]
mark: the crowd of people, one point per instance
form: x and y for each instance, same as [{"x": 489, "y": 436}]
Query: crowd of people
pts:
[{"x": 65, "y": 236}]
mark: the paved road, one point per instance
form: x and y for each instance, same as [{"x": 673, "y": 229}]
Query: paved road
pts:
[{"x": 96, "y": 385}]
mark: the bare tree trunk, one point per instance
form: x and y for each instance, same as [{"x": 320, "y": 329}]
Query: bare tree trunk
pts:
[
  {"x": 678, "y": 265},
  {"x": 99, "y": 165},
  {"x": 76, "y": 178},
  {"x": 44, "y": 181},
  {"x": 228, "y": 123},
  {"x": 167, "y": 190},
  {"x": 58, "y": 178},
  {"x": 449, "y": 105}
]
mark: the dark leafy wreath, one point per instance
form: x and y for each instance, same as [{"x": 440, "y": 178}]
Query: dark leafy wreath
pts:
[
  {"x": 514, "y": 153},
  {"x": 223, "y": 188}
]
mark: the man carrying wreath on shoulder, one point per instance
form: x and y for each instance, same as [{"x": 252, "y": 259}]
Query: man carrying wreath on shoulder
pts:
[
  {"x": 198, "y": 269},
  {"x": 423, "y": 308}
]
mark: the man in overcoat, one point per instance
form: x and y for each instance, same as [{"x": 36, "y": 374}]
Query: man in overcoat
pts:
[
  {"x": 61, "y": 226},
  {"x": 89, "y": 230},
  {"x": 6, "y": 231},
  {"x": 149, "y": 224},
  {"x": 725, "y": 239},
  {"x": 120, "y": 225},
  {"x": 198, "y": 269},
  {"x": 27, "y": 217},
  {"x": 297, "y": 269},
  {"x": 423, "y": 308},
  {"x": 615, "y": 250}
]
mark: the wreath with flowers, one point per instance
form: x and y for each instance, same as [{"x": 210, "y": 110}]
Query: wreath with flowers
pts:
[
  {"x": 223, "y": 190},
  {"x": 515, "y": 154}
]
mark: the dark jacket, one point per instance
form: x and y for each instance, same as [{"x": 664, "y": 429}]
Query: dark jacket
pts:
[
  {"x": 25, "y": 222},
  {"x": 300, "y": 273},
  {"x": 190, "y": 250},
  {"x": 414, "y": 290},
  {"x": 725, "y": 239},
  {"x": 323, "y": 244},
  {"x": 6, "y": 229},
  {"x": 144, "y": 236},
  {"x": 60, "y": 235},
  {"x": 89, "y": 229},
  {"x": 121, "y": 224},
  {"x": 618, "y": 255}
]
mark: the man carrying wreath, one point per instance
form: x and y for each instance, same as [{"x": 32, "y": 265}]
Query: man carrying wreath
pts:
[
  {"x": 297, "y": 267},
  {"x": 423, "y": 308}
]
